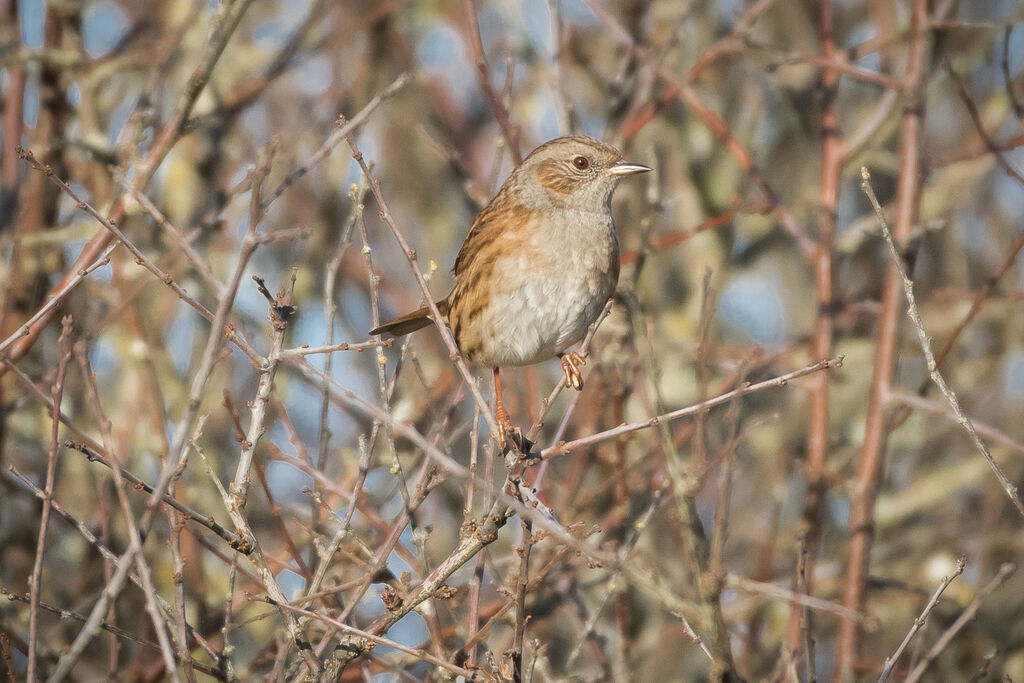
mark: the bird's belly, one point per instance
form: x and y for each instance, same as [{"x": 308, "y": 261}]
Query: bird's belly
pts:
[{"x": 533, "y": 317}]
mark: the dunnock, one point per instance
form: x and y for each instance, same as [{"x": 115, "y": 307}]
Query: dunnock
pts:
[{"x": 538, "y": 265}]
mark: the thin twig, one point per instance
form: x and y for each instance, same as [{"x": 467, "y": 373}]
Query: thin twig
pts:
[
  {"x": 180, "y": 239},
  {"x": 143, "y": 569},
  {"x": 344, "y": 128},
  {"x": 330, "y": 348},
  {"x": 374, "y": 638},
  {"x": 912, "y": 400},
  {"x": 355, "y": 197},
  {"x": 281, "y": 312},
  {"x": 778, "y": 592},
  {"x": 926, "y": 347},
  {"x": 522, "y": 581},
  {"x": 1005, "y": 571},
  {"x": 53, "y": 303},
  {"x": 35, "y": 580},
  {"x": 780, "y": 381},
  {"x": 806, "y": 632},
  {"x": 177, "y": 525},
  {"x": 137, "y": 484},
  {"x": 380, "y": 365},
  {"x": 890, "y": 662},
  {"x": 972, "y": 111},
  {"x": 563, "y": 108},
  {"x": 980, "y": 298},
  {"x": 484, "y": 78},
  {"x": 638, "y": 528}
]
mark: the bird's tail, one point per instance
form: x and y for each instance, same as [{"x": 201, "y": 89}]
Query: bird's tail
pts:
[{"x": 410, "y": 322}]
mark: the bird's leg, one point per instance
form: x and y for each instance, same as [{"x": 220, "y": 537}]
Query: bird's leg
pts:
[
  {"x": 509, "y": 435},
  {"x": 571, "y": 363},
  {"x": 505, "y": 425}
]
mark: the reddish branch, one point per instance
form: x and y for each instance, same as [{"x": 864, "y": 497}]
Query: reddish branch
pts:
[
  {"x": 484, "y": 77},
  {"x": 731, "y": 43},
  {"x": 872, "y": 455},
  {"x": 821, "y": 338},
  {"x": 674, "y": 238},
  {"x": 13, "y": 105}
]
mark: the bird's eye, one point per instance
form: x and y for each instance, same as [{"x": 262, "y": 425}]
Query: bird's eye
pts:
[{"x": 582, "y": 163}]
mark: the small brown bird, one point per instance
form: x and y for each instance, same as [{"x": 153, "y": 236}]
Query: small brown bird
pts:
[{"x": 538, "y": 265}]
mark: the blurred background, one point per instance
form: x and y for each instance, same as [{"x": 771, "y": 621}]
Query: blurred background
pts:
[{"x": 792, "y": 534}]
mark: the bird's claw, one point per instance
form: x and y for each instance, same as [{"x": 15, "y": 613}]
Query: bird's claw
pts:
[
  {"x": 571, "y": 363},
  {"x": 510, "y": 436}
]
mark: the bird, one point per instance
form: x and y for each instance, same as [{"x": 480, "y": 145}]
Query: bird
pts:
[{"x": 539, "y": 264}]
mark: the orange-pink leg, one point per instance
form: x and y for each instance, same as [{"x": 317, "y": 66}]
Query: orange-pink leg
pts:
[
  {"x": 571, "y": 363},
  {"x": 505, "y": 425}
]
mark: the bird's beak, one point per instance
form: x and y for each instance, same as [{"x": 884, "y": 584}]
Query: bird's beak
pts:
[{"x": 628, "y": 168}]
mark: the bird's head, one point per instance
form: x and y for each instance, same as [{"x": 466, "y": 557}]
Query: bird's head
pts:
[{"x": 576, "y": 172}]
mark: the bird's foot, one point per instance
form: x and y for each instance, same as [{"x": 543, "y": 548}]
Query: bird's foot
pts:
[
  {"x": 571, "y": 363},
  {"x": 510, "y": 436}
]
